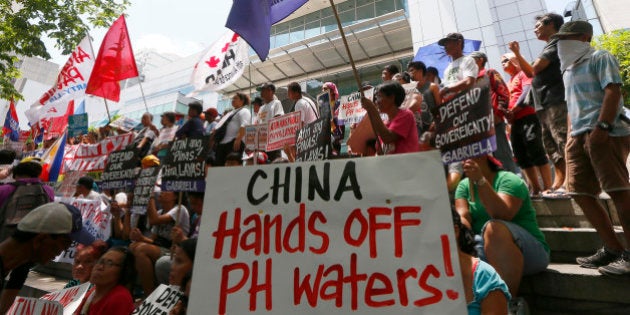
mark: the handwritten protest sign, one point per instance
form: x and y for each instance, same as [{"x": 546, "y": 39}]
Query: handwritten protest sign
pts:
[
  {"x": 185, "y": 166},
  {"x": 329, "y": 237},
  {"x": 281, "y": 130},
  {"x": 144, "y": 189},
  {"x": 91, "y": 158},
  {"x": 32, "y": 306},
  {"x": 350, "y": 109},
  {"x": 312, "y": 142},
  {"x": 121, "y": 169},
  {"x": 69, "y": 298},
  {"x": 161, "y": 300},
  {"x": 68, "y": 185},
  {"x": 464, "y": 125},
  {"x": 77, "y": 125},
  {"x": 96, "y": 220},
  {"x": 256, "y": 137}
]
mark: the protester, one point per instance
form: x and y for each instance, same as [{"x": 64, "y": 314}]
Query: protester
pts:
[
  {"x": 599, "y": 144},
  {"x": 432, "y": 76},
  {"x": 85, "y": 189},
  {"x": 500, "y": 98},
  {"x": 302, "y": 104},
  {"x": 485, "y": 291},
  {"x": 119, "y": 209},
  {"x": 147, "y": 250},
  {"x": 526, "y": 134},
  {"x": 183, "y": 260},
  {"x": 399, "y": 134},
  {"x": 40, "y": 236},
  {"x": 549, "y": 96},
  {"x": 113, "y": 275},
  {"x": 497, "y": 206},
  {"x": 462, "y": 72},
  {"x": 430, "y": 98},
  {"x": 211, "y": 115},
  {"x": 230, "y": 131},
  {"x": 166, "y": 135},
  {"x": 272, "y": 108},
  {"x": 144, "y": 139},
  {"x": 388, "y": 73},
  {"x": 193, "y": 127},
  {"x": 84, "y": 260},
  {"x": 337, "y": 125},
  {"x": 256, "y": 104}
]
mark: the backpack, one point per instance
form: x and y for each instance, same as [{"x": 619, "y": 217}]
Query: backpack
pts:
[{"x": 26, "y": 197}]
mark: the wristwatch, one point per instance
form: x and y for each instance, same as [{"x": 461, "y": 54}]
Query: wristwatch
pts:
[
  {"x": 604, "y": 126},
  {"x": 481, "y": 181}
]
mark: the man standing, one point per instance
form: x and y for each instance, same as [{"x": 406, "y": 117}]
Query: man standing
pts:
[
  {"x": 193, "y": 126},
  {"x": 599, "y": 143},
  {"x": 550, "y": 104},
  {"x": 302, "y": 104},
  {"x": 271, "y": 108},
  {"x": 462, "y": 72},
  {"x": 500, "y": 97}
]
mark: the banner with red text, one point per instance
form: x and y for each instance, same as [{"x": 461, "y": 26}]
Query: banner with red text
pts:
[
  {"x": 90, "y": 159},
  {"x": 329, "y": 237},
  {"x": 160, "y": 301},
  {"x": 350, "y": 109},
  {"x": 32, "y": 306},
  {"x": 281, "y": 130},
  {"x": 69, "y": 298},
  {"x": 96, "y": 219},
  {"x": 256, "y": 137}
]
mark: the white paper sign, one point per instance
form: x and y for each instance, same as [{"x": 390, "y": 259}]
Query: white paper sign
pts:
[
  {"x": 32, "y": 306},
  {"x": 69, "y": 298},
  {"x": 368, "y": 236},
  {"x": 161, "y": 300}
]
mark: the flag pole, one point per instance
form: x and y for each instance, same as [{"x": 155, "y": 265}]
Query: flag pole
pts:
[
  {"x": 142, "y": 91},
  {"x": 345, "y": 43}
]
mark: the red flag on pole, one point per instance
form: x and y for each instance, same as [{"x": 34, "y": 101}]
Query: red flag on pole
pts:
[{"x": 114, "y": 63}]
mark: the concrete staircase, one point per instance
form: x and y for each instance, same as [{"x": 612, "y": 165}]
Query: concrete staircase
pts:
[{"x": 566, "y": 288}]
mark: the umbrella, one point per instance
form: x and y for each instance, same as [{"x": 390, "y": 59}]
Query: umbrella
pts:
[{"x": 433, "y": 55}]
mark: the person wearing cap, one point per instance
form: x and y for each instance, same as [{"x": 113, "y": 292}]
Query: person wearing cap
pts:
[
  {"x": 271, "y": 108},
  {"x": 193, "y": 127},
  {"x": 461, "y": 73},
  {"x": 549, "y": 97},
  {"x": 40, "y": 236},
  {"x": 500, "y": 97},
  {"x": 85, "y": 189},
  {"x": 211, "y": 115},
  {"x": 496, "y": 205},
  {"x": 599, "y": 143},
  {"x": 167, "y": 134}
]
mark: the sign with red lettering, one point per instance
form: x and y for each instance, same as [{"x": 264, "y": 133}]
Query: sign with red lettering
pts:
[
  {"x": 367, "y": 236},
  {"x": 90, "y": 159},
  {"x": 69, "y": 298},
  {"x": 350, "y": 109},
  {"x": 161, "y": 300},
  {"x": 32, "y": 306},
  {"x": 256, "y": 137},
  {"x": 281, "y": 130}
]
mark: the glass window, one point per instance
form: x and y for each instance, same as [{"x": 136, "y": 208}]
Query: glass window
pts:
[
  {"x": 384, "y": 6},
  {"x": 365, "y": 12},
  {"x": 312, "y": 29},
  {"x": 364, "y": 2},
  {"x": 297, "y": 23},
  {"x": 326, "y": 12},
  {"x": 282, "y": 39},
  {"x": 329, "y": 24},
  {"x": 347, "y": 17},
  {"x": 297, "y": 34}
]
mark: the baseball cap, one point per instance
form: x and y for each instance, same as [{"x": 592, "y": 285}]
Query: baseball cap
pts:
[
  {"x": 574, "y": 28},
  {"x": 479, "y": 54},
  {"x": 267, "y": 85},
  {"x": 212, "y": 112},
  {"x": 56, "y": 218},
  {"x": 450, "y": 36},
  {"x": 260, "y": 156},
  {"x": 86, "y": 182},
  {"x": 150, "y": 160}
]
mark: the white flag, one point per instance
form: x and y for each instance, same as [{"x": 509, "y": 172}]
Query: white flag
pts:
[{"x": 221, "y": 65}]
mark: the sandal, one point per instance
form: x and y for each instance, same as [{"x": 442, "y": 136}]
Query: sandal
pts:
[{"x": 559, "y": 193}]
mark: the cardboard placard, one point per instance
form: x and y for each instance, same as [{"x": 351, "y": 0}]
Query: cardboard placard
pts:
[
  {"x": 69, "y": 298},
  {"x": 185, "y": 165},
  {"x": 32, "y": 306},
  {"x": 312, "y": 142},
  {"x": 160, "y": 301},
  {"x": 256, "y": 137},
  {"x": 330, "y": 237},
  {"x": 77, "y": 125},
  {"x": 464, "y": 125},
  {"x": 350, "y": 109},
  {"x": 281, "y": 130},
  {"x": 143, "y": 191},
  {"x": 121, "y": 169}
]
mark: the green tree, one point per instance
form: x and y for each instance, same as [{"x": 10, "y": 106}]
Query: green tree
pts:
[
  {"x": 24, "y": 23},
  {"x": 618, "y": 43}
]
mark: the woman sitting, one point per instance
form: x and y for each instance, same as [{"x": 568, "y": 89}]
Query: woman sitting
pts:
[
  {"x": 84, "y": 260},
  {"x": 113, "y": 275}
]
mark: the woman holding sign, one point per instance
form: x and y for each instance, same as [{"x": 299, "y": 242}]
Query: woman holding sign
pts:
[
  {"x": 112, "y": 276},
  {"x": 399, "y": 134}
]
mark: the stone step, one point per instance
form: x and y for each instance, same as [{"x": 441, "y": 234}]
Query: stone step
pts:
[
  {"x": 567, "y": 243},
  {"x": 567, "y": 213},
  {"x": 570, "y": 289}
]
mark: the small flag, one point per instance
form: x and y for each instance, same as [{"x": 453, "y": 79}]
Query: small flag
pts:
[
  {"x": 11, "y": 126},
  {"x": 114, "y": 63},
  {"x": 52, "y": 160}
]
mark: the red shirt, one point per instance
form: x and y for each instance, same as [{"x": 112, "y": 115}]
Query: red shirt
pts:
[
  {"x": 118, "y": 301},
  {"x": 404, "y": 125},
  {"x": 516, "y": 85}
]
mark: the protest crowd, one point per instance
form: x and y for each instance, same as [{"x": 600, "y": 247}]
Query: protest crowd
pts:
[{"x": 557, "y": 131}]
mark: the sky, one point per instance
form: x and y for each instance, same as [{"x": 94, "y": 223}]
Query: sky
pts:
[{"x": 184, "y": 27}]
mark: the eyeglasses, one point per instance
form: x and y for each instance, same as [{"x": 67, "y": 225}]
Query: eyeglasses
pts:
[{"x": 107, "y": 263}]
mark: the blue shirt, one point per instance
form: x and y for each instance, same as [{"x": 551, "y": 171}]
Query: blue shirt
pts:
[
  {"x": 584, "y": 84},
  {"x": 485, "y": 280},
  {"x": 191, "y": 129}
]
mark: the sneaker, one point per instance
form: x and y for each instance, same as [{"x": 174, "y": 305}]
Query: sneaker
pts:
[
  {"x": 601, "y": 258},
  {"x": 518, "y": 306},
  {"x": 619, "y": 267}
]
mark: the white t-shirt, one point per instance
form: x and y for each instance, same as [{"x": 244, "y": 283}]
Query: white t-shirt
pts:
[
  {"x": 164, "y": 230},
  {"x": 460, "y": 69},
  {"x": 308, "y": 110},
  {"x": 241, "y": 118},
  {"x": 269, "y": 110}
]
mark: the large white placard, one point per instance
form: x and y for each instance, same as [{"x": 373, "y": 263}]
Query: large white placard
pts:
[{"x": 367, "y": 236}]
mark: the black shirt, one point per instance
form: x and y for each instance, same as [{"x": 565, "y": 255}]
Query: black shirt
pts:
[{"x": 547, "y": 84}]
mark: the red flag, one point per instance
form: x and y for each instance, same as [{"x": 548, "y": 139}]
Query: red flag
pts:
[{"x": 115, "y": 62}]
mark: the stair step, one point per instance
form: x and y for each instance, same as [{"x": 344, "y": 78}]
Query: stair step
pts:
[
  {"x": 575, "y": 290},
  {"x": 567, "y": 213},
  {"x": 567, "y": 243}
]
